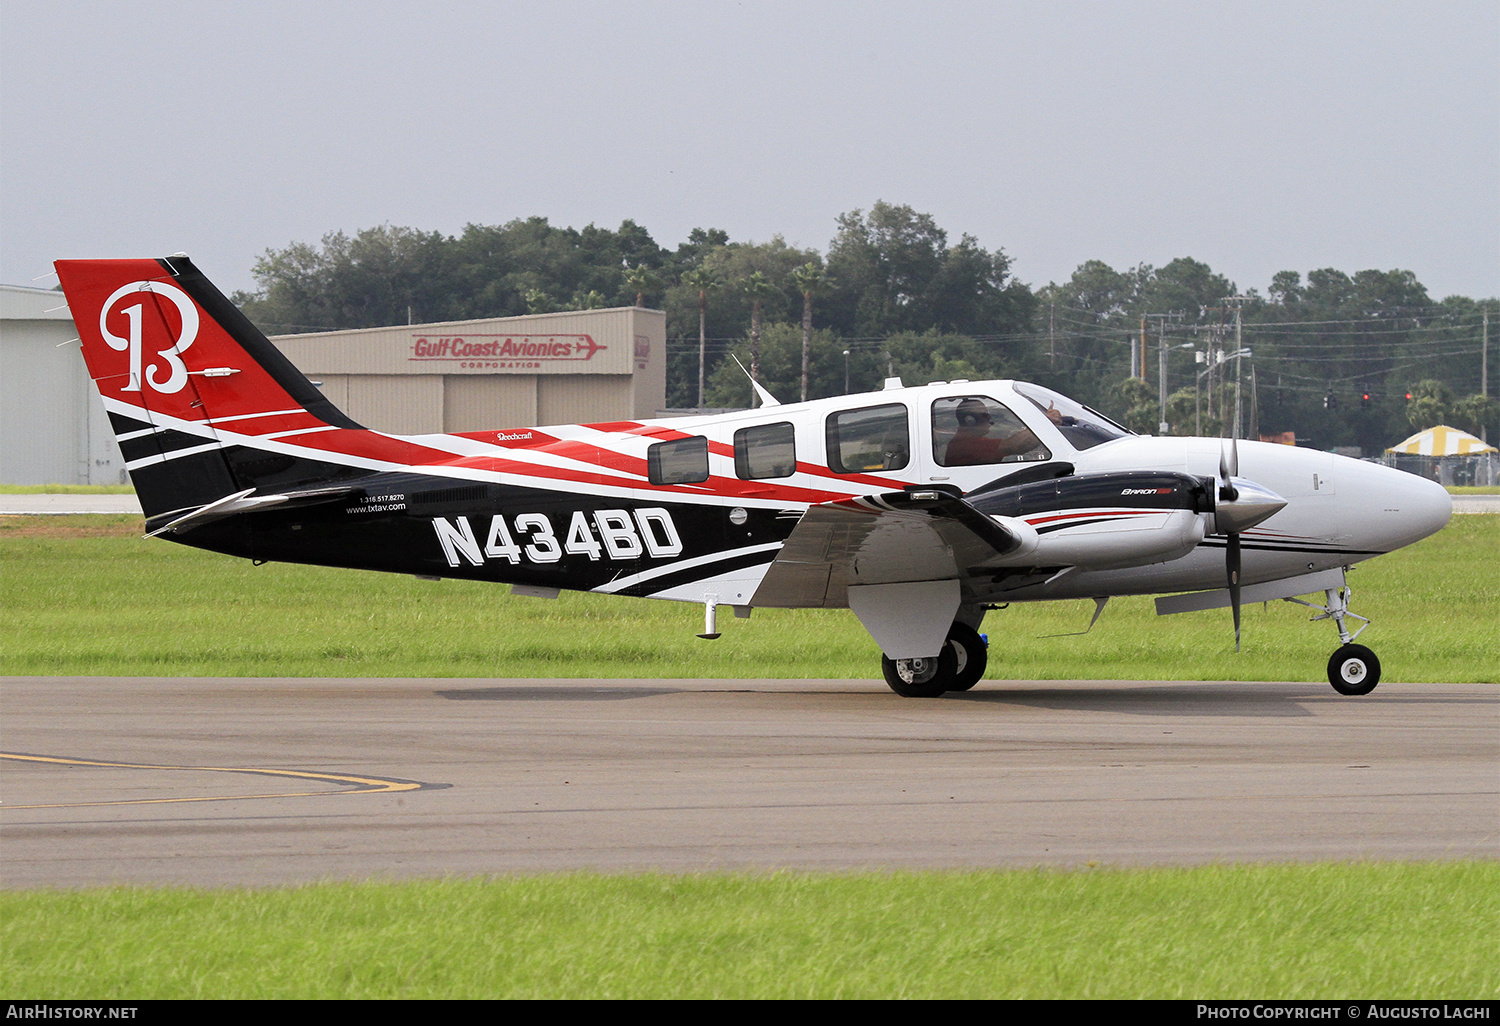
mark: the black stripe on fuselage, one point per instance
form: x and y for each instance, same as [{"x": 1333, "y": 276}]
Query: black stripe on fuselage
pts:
[
  {"x": 160, "y": 442},
  {"x": 1052, "y": 528},
  {"x": 181, "y": 484},
  {"x": 123, "y": 425},
  {"x": 441, "y": 527},
  {"x": 703, "y": 571}
]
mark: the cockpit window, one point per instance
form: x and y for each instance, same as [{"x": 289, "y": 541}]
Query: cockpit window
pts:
[
  {"x": 973, "y": 430},
  {"x": 1083, "y": 427}
]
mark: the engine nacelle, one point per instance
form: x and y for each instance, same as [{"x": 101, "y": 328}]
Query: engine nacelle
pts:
[{"x": 1101, "y": 521}]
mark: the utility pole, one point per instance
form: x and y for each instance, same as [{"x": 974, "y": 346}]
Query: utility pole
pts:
[
  {"x": 1052, "y": 337},
  {"x": 1161, "y": 365},
  {"x": 1239, "y": 351},
  {"x": 1136, "y": 348},
  {"x": 1254, "y": 406},
  {"x": 1484, "y": 372}
]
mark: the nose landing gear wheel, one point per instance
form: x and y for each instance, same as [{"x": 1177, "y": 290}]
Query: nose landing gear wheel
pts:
[{"x": 1353, "y": 670}]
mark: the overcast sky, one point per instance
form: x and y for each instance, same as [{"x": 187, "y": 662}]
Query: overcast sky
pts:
[{"x": 1256, "y": 137}]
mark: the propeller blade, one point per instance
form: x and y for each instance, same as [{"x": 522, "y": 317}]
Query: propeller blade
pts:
[
  {"x": 1232, "y": 570},
  {"x": 1229, "y": 468}
]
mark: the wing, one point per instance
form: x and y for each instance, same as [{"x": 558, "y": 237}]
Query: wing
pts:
[
  {"x": 902, "y": 561},
  {"x": 897, "y": 537}
]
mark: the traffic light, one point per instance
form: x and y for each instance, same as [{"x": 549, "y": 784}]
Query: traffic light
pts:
[{"x": 1364, "y": 400}]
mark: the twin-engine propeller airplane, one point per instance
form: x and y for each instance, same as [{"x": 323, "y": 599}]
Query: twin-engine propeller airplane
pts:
[{"x": 917, "y": 508}]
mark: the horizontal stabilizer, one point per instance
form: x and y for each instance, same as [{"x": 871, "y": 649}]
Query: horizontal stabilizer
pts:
[{"x": 244, "y": 502}]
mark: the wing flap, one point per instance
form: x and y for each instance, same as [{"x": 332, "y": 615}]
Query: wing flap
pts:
[{"x": 921, "y": 534}]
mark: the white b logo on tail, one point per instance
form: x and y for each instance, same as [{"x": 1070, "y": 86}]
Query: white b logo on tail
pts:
[{"x": 171, "y": 357}]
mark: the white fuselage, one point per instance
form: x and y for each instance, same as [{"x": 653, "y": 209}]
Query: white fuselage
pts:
[{"x": 1338, "y": 511}]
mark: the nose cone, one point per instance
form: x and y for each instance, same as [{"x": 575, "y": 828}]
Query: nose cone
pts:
[{"x": 1399, "y": 508}]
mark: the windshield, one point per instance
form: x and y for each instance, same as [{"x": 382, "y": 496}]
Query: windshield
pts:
[{"x": 1082, "y": 427}]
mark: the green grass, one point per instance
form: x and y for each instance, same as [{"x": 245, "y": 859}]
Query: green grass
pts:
[
  {"x": 88, "y": 596},
  {"x": 62, "y": 489},
  {"x": 1383, "y": 930}
]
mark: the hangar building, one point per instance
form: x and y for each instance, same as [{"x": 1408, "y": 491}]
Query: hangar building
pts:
[
  {"x": 582, "y": 366},
  {"x": 52, "y": 425}
]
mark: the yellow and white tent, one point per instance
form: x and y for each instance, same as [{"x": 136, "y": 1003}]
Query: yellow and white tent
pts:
[{"x": 1442, "y": 441}]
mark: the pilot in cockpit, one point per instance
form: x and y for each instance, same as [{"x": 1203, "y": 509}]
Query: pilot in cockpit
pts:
[{"x": 972, "y": 443}]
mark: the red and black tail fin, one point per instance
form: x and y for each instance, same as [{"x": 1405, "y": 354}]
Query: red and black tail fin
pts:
[{"x": 180, "y": 368}]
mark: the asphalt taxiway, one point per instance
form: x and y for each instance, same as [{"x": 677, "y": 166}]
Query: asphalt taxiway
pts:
[{"x": 266, "y": 781}]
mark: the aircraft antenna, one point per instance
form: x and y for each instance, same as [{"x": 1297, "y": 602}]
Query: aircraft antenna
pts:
[{"x": 766, "y": 398}]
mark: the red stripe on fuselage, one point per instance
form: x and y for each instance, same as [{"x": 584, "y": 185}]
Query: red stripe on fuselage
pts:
[
  {"x": 1033, "y": 521},
  {"x": 371, "y": 445},
  {"x": 267, "y": 423}
]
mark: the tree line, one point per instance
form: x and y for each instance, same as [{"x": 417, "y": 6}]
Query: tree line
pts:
[{"x": 1334, "y": 358}]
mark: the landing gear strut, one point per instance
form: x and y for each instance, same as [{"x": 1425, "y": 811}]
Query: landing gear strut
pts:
[
  {"x": 958, "y": 668},
  {"x": 1352, "y": 669}
]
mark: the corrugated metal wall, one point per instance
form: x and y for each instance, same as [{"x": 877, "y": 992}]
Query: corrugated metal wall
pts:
[
  {"x": 488, "y": 402},
  {"x": 53, "y": 429},
  {"x": 362, "y": 372},
  {"x": 583, "y": 400}
]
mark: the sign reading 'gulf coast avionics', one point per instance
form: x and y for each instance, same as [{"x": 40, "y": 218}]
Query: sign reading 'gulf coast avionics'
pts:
[{"x": 503, "y": 352}]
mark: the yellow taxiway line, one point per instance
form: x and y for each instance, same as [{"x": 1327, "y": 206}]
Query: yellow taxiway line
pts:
[{"x": 353, "y": 784}]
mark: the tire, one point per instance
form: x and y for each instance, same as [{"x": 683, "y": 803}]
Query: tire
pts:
[
  {"x": 1353, "y": 670},
  {"x": 920, "y": 678},
  {"x": 971, "y": 655}
]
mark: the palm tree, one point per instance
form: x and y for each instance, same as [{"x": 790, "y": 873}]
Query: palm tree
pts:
[
  {"x": 538, "y": 302},
  {"x": 702, "y": 279},
  {"x": 758, "y": 287},
  {"x": 810, "y": 278},
  {"x": 642, "y": 280}
]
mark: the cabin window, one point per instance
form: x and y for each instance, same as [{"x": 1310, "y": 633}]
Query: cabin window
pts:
[
  {"x": 680, "y": 461},
  {"x": 874, "y": 438},
  {"x": 766, "y": 450},
  {"x": 975, "y": 430}
]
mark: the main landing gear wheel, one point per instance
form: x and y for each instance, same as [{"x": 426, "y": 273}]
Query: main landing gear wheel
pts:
[
  {"x": 958, "y": 668},
  {"x": 1353, "y": 670},
  {"x": 920, "y": 678},
  {"x": 971, "y": 656}
]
